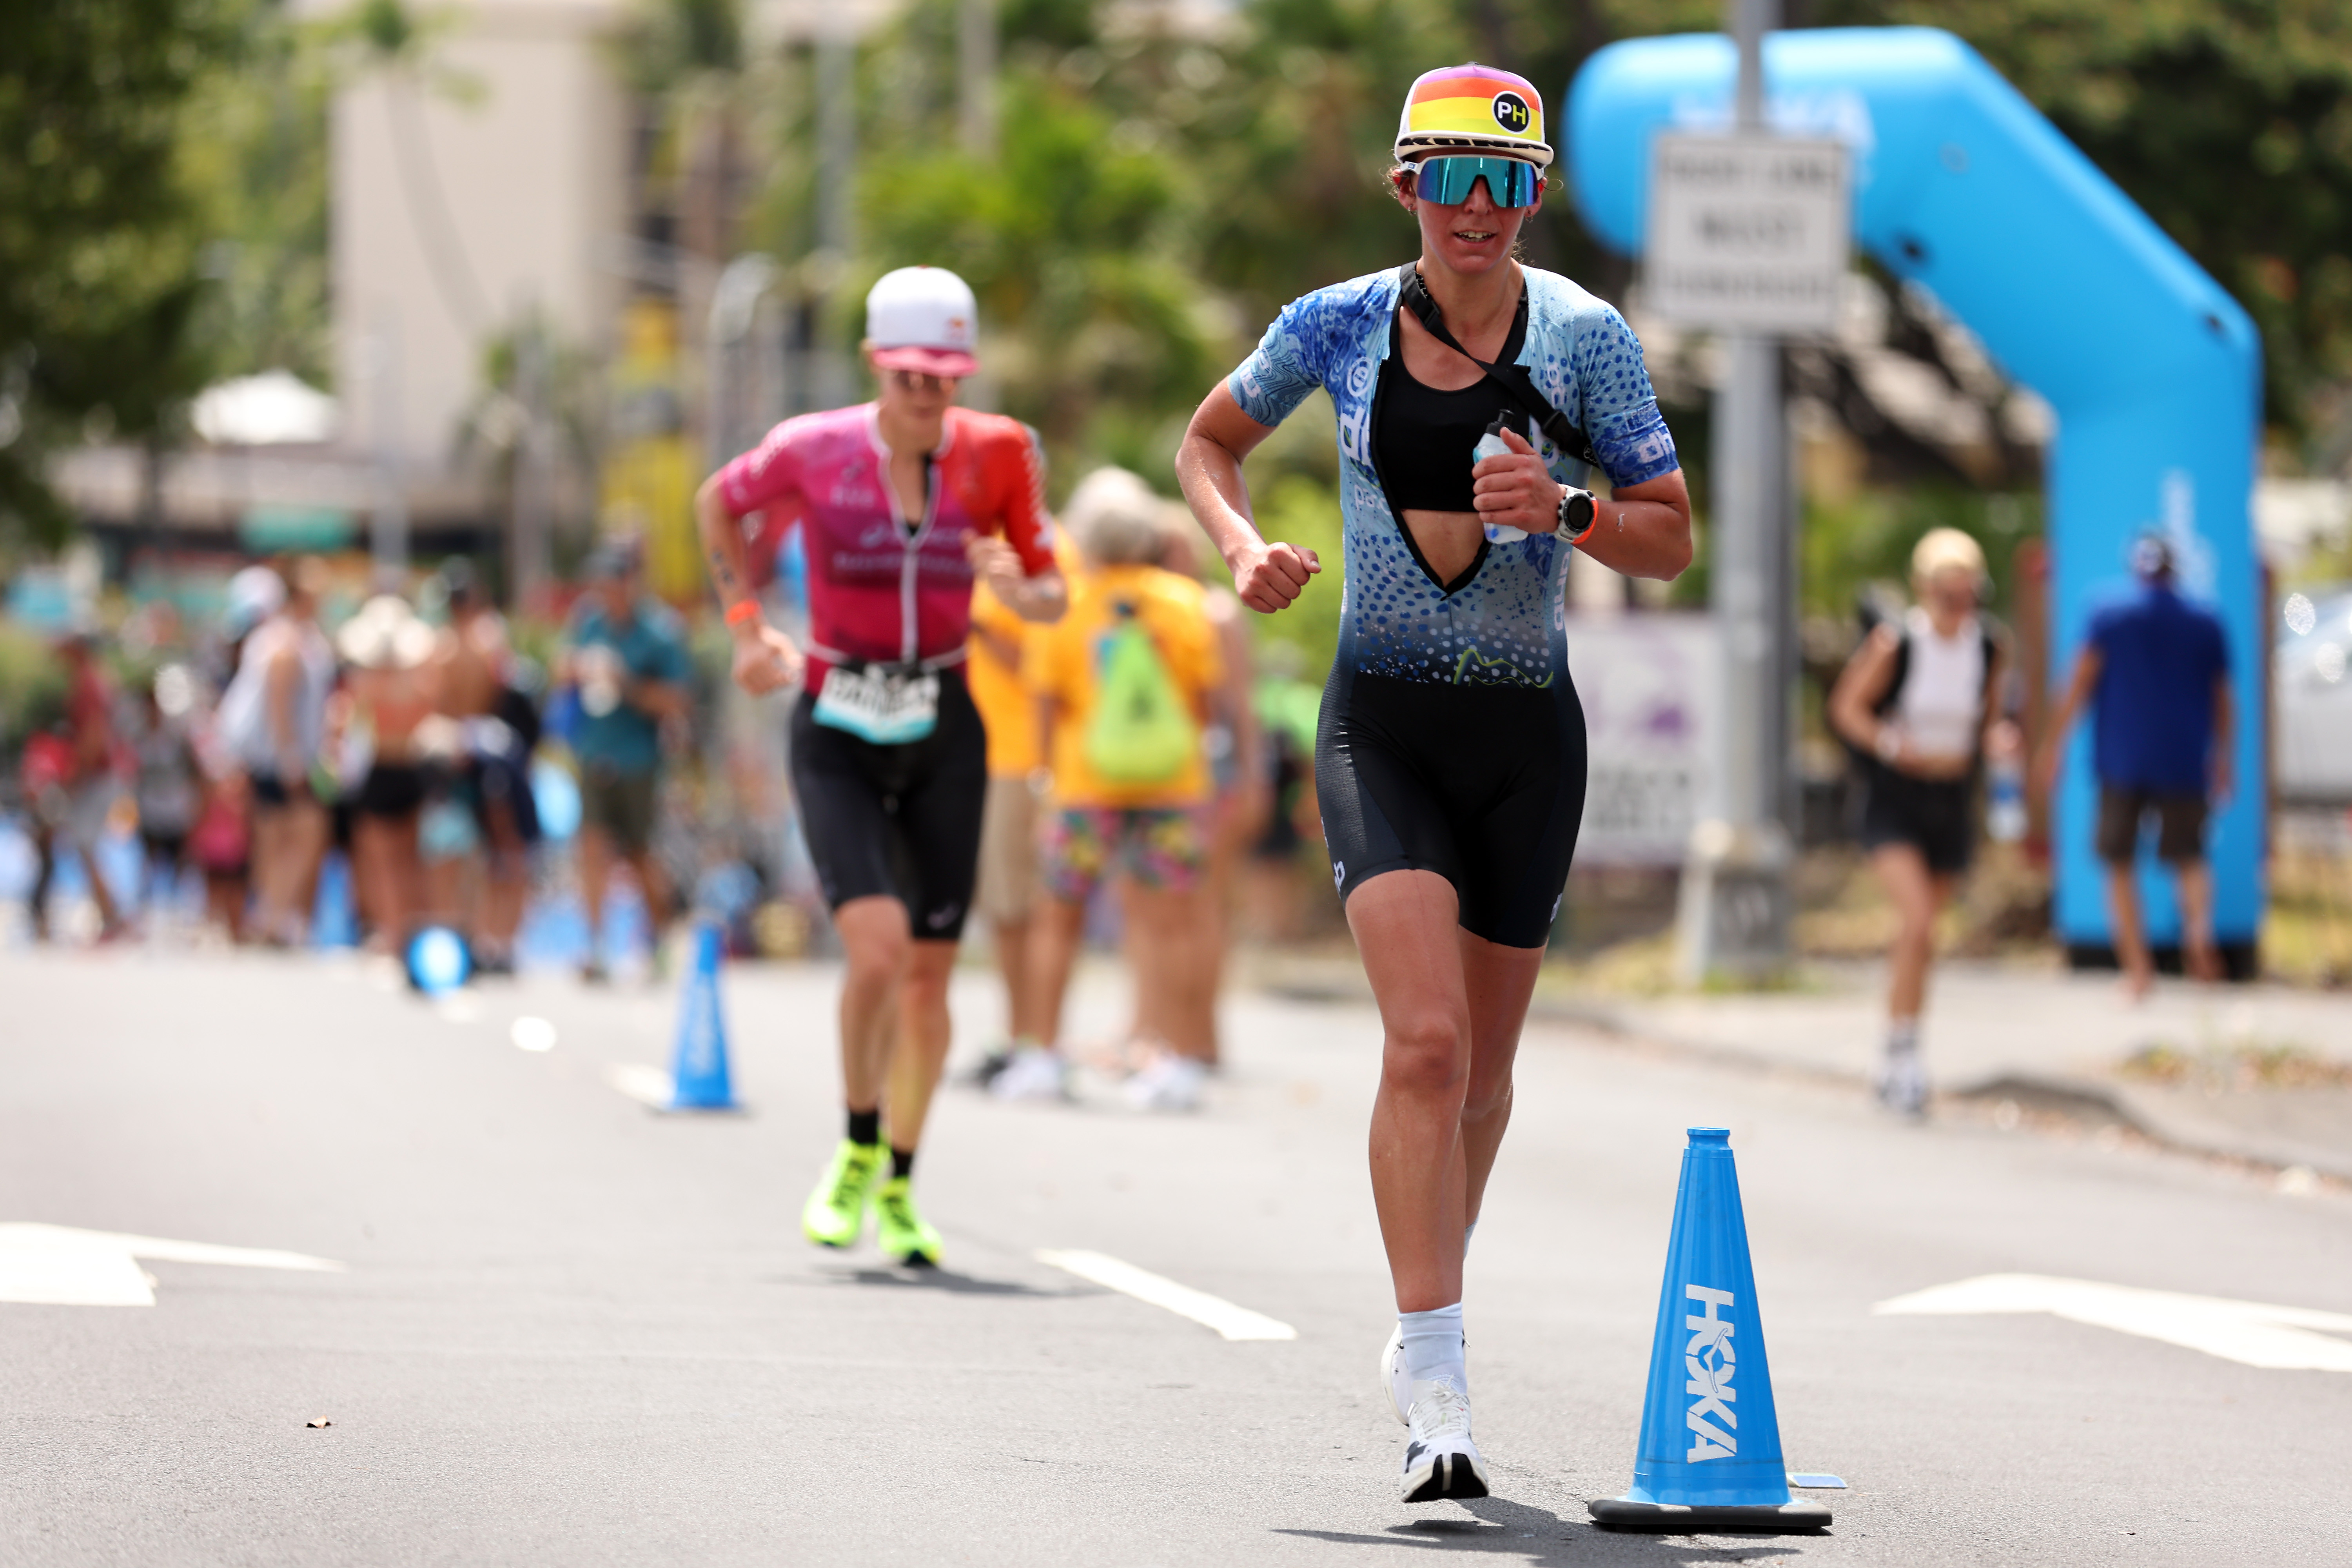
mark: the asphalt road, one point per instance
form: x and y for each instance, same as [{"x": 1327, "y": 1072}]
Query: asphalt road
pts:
[{"x": 573, "y": 1332}]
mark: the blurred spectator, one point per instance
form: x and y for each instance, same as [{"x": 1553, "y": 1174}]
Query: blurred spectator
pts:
[
  {"x": 497, "y": 729},
  {"x": 1123, "y": 683},
  {"x": 2155, "y": 671},
  {"x": 273, "y": 721},
  {"x": 625, "y": 655},
  {"x": 221, "y": 844},
  {"x": 168, "y": 788},
  {"x": 1916, "y": 700},
  {"x": 390, "y": 651},
  {"x": 1287, "y": 711},
  {"x": 93, "y": 775},
  {"x": 1238, "y": 765},
  {"x": 43, "y": 772},
  {"x": 1007, "y": 889}
]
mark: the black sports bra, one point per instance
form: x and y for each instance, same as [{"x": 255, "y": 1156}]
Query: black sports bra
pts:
[{"x": 1422, "y": 437}]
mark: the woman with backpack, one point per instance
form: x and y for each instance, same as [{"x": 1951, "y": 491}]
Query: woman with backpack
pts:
[
  {"x": 1916, "y": 702},
  {"x": 1122, "y": 684},
  {"x": 1470, "y": 392}
]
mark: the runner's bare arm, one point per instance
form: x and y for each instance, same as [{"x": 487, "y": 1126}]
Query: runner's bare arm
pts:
[
  {"x": 2087, "y": 666},
  {"x": 1268, "y": 577},
  {"x": 765, "y": 659},
  {"x": 1859, "y": 687}
]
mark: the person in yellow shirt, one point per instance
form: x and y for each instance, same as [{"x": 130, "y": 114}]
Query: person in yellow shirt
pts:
[
  {"x": 1122, "y": 684},
  {"x": 1007, "y": 893}
]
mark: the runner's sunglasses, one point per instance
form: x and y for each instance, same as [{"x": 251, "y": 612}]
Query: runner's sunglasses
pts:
[{"x": 1447, "y": 180}]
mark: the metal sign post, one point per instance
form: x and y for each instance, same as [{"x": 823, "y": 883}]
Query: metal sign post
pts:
[{"x": 1748, "y": 237}]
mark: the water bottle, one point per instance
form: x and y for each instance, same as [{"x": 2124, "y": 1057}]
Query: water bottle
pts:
[
  {"x": 2005, "y": 808},
  {"x": 1491, "y": 445}
]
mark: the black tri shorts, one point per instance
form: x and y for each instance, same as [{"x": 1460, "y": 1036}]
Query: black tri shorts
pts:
[
  {"x": 900, "y": 822},
  {"x": 1482, "y": 784},
  {"x": 1935, "y": 817}
]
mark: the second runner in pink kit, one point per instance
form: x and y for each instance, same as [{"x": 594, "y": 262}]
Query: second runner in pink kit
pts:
[{"x": 902, "y": 502}]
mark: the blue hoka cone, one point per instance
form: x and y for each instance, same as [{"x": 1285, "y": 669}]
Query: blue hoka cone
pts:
[
  {"x": 698, "y": 1071},
  {"x": 1710, "y": 1450}
]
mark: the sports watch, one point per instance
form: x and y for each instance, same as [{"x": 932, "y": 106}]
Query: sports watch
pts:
[{"x": 1577, "y": 512}]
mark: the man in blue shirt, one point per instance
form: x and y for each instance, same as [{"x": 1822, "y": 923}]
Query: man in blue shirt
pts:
[
  {"x": 625, "y": 655},
  {"x": 2157, "y": 670}
]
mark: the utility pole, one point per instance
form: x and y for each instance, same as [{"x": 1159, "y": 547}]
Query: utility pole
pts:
[
  {"x": 1735, "y": 903},
  {"x": 529, "y": 554},
  {"x": 836, "y": 166},
  {"x": 731, "y": 347},
  {"x": 388, "y": 525},
  {"x": 976, "y": 77}
]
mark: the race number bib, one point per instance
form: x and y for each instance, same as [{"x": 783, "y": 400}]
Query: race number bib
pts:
[{"x": 887, "y": 707}]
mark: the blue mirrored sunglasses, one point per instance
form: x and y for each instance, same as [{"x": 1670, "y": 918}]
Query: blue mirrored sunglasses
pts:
[{"x": 1447, "y": 180}]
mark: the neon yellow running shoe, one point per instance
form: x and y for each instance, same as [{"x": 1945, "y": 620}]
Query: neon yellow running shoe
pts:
[
  {"x": 898, "y": 1230},
  {"x": 835, "y": 1215}
]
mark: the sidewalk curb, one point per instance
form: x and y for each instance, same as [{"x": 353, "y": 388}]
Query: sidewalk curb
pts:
[{"x": 2084, "y": 1099}]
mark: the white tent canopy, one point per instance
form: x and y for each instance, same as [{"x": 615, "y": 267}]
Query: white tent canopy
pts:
[{"x": 264, "y": 410}]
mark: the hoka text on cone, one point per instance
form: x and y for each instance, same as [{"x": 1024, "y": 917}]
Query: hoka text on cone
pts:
[
  {"x": 1710, "y": 1447},
  {"x": 698, "y": 1071}
]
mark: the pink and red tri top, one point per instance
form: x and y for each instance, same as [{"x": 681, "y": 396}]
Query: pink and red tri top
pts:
[{"x": 884, "y": 588}]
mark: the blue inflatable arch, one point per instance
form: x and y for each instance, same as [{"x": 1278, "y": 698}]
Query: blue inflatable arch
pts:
[{"x": 2154, "y": 372}]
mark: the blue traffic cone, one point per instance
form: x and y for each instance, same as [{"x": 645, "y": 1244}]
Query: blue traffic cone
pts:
[
  {"x": 698, "y": 1071},
  {"x": 1710, "y": 1450}
]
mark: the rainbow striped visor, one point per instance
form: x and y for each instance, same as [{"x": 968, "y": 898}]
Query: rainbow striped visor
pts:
[{"x": 1448, "y": 179}]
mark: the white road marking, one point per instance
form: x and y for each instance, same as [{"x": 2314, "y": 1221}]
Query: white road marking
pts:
[
  {"x": 648, "y": 1086},
  {"x": 1234, "y": 1322},
  {"x": 456, "y": 1009},
  {"x": 56, "y": 1265},
  {"x": 530, "y": 1033},
  {"x": 2253, "y": 1332}
]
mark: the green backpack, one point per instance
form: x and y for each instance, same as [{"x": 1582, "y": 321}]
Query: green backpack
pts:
[{"x": 1142, "y": 731}]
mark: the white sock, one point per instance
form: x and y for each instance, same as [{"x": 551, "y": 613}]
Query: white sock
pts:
[
  {"x": 1902, "y": 1036},
  {"x": 1432, "y": 1346},
  {"x": 1467, "y": 1232}
]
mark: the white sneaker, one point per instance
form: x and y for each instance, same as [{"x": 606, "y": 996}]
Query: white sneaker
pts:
[
  {"x": 1033, "y": 1073},
  {"x": 1395, "y": 1380},
  {"x": 1902, "y": 1084},
  {"x": 1440, "y": 1459},
  {"x": 1168, "y": 1083}
]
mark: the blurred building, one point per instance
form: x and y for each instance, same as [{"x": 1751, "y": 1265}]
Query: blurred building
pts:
[{"x": 479, "y": 188}]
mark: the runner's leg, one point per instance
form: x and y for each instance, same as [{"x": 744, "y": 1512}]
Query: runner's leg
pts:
[
  {"x": 1405, "y": 930},
  {"x": 1500, "y": 981},
  {"x": 922, "y": 1042},
  {"x": 1903, "y": 872},
  {"x": 878, "y": 948}
]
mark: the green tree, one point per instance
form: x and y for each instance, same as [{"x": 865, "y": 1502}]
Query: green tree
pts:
[
  {"x": 100, "y": 283},
  {"x": 253, "y": 152},
  {"x": 1078, "y": 242}
]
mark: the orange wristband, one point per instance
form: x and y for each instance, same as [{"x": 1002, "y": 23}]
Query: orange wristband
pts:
[{"x": 742, "y": 612}]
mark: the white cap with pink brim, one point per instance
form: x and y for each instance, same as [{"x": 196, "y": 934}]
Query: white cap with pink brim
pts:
[{"x": 923, "y": 319}]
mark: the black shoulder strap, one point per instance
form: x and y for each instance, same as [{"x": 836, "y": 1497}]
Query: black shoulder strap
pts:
[
  {"x": 1901, "y": 671},
  {"x": 1513, "y": 379}
]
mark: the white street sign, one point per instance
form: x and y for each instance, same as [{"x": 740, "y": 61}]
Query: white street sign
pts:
[
  {"x": 58, "y": 1265},
  {"x": 2253, "y": 1332},
  {"x": 1747, "y": 233}
]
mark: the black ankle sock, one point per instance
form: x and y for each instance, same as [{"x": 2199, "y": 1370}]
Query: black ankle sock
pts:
[
  {"x": 866, "y": 1126},
  {"x": 902, "y": 1163}
]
